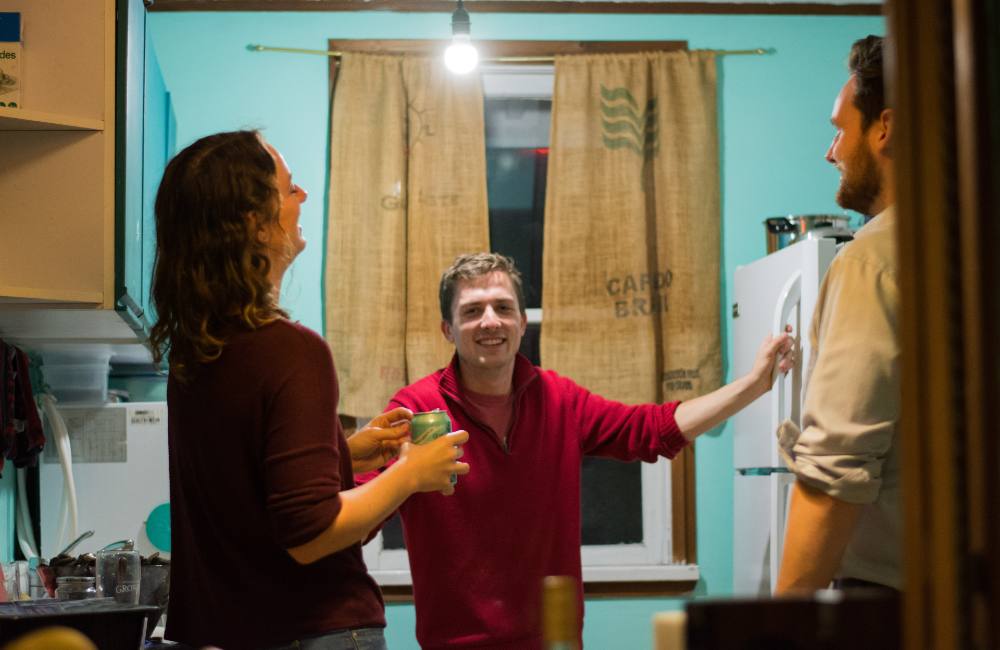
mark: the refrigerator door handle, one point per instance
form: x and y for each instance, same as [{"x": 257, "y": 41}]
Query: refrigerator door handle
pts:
[
  {"x": 788, "y": 299},
  {"x": 781, "y": 495}
]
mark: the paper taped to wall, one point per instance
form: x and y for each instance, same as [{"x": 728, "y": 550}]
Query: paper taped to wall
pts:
[{"x": 10, "y": 59}]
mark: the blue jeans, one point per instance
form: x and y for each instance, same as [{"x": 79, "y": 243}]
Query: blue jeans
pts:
[{"x": 363, "y": 638}]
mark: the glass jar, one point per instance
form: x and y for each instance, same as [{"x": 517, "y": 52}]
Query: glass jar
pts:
[
  {"x": 75, "y": 588},
  {"x": 119, "y": 573}
]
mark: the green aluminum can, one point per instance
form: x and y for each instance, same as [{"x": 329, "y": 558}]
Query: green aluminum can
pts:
[{"x": 428, "y": 426}]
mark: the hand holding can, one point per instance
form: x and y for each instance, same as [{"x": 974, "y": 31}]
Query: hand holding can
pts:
[{"x": 428, "y": 426}]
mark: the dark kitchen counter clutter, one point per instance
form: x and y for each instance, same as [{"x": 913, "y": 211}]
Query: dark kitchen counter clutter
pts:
[{"x": 109, "y": 624}]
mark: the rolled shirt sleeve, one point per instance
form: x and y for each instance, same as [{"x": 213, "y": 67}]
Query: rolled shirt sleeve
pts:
[{"x": 852, "y": 402}]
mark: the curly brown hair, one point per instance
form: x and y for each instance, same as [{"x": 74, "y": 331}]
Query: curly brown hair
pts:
[
  {"x": 474, "y": 265},
  {"x": 211, "y": 271}
]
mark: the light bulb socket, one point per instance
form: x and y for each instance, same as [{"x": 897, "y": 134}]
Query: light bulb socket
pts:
[{"x": 460, "y": 20}]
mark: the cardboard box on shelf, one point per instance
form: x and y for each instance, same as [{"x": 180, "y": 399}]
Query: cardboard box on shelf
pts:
[{"x": 10, "y": 59}]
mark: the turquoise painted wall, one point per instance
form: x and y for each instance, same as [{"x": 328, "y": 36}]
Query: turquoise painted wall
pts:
[
  {"x": 8, "y": 512},
  {"x": 774, "y": 131}
]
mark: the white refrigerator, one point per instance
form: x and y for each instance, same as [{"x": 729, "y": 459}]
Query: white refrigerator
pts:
[
  {"x": 770, "y": 293},
  {"x": 120, "y": 477}
]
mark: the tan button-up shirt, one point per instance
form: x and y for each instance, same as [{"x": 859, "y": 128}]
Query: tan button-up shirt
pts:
[{"x": 847, "y": 445}]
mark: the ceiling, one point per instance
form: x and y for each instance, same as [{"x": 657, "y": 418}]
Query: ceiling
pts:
[{"x": 799, "y": 7}]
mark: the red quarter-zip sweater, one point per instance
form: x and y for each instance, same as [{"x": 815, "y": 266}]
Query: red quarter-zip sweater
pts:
[{"x": 478, "y": 557}]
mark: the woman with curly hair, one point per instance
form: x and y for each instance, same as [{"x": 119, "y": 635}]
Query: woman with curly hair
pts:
[{"x": 267, "y": 523}]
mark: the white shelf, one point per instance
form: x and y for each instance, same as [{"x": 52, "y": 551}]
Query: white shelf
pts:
[
  {"x": 19, "y": 119},
  {"x": 36, "y": 328}
]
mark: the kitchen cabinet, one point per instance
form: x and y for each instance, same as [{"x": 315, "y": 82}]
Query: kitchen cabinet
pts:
[{"x": 77, "y": 166}]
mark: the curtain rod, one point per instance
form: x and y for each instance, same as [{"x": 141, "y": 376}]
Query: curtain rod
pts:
[{"x": 500, "y": 59}]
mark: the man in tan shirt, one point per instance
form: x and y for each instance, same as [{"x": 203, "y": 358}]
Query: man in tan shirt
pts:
[{"x": 845, "y": 522}]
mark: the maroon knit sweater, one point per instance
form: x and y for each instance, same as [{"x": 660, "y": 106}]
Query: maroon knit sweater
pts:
[{"x": 257, "y": 461}]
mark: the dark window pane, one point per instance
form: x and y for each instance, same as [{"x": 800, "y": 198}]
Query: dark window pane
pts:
[
  {"x": 517, "y": 219},
  {"x": 517, "y": 137},
  {"x": 392, "y": 533},
  {"x": 612, "y": 502},
  {"x": 530, "y": 343},
  {"x": 612, "y": 505}
]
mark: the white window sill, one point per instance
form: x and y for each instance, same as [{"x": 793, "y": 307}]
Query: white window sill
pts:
[{"x": 652, "y": 573}]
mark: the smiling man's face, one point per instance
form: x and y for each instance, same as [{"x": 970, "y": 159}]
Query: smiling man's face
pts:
[{"x": 486, "y": 323}]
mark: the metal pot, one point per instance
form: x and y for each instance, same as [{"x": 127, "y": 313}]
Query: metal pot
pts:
[{"x": 783, "y": 231}]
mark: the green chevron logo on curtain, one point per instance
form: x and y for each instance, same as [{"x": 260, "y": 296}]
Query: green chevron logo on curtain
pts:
[{"x": 624, "y": 127}]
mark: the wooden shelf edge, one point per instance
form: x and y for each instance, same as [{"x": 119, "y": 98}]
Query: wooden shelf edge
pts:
[
  {"x": 19, "y": 119},
  {"x": 26, "y": 297}
]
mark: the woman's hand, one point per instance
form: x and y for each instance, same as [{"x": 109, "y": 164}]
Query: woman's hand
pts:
[
  {"x": 775, "y": 355},
  {"x": 432, "y": 464},
  {"x": 380, "y": 440}
]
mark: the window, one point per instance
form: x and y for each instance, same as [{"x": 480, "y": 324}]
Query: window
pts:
[{"x": 636, "y": 519}]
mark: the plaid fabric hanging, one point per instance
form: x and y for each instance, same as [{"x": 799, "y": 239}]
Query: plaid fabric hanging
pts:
[{"x": 21, "y": 434}]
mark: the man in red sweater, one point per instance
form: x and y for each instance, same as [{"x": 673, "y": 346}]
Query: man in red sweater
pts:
[{"x": 478, "y": 557}]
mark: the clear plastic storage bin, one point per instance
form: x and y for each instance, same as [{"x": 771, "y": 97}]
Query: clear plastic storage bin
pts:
[{"x": 75, "y": 381}]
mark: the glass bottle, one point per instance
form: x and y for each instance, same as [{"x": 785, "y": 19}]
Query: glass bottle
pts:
[
  {"x": 560, "y": 613},
  {"x": 75, "y": 588}
]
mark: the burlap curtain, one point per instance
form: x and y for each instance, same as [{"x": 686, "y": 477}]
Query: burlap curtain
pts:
[
  {"x": 632, "y": 225},
  {"x": 407, "y": 194}
]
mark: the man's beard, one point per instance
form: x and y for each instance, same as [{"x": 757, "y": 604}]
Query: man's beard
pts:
[{"x": 860, "y": 182}]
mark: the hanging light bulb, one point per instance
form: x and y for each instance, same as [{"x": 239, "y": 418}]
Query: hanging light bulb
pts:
[{"x": 460, "y": 57}]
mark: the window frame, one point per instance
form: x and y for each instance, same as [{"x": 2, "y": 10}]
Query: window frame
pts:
[
  {"x": 649, "y": 561},
  {"x": 665, "y": 563}
]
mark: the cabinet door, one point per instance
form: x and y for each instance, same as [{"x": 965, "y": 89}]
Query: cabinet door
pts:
[
  {"x": 159, "y": 143},
  {"x": 57, "y": 159},
  {"x": 129, "y": 124}
]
